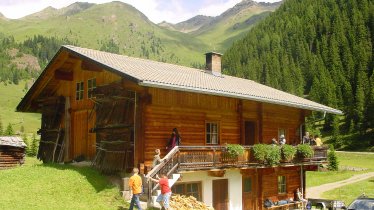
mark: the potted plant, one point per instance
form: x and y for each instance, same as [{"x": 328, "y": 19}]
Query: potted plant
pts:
[
  {"x": 305, "y": 151},
  {"x": 234, "y": 150},
  {"x": 273, "y": 155},
  {"x": 288, "y": 152},
  {"x": 259, "y": 152}
]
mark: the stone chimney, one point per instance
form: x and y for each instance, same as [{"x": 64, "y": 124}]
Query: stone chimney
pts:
[{"x": 213, "y": 63}]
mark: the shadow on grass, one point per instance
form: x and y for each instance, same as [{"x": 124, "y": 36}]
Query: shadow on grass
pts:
[{"x": 98, "y": 181}]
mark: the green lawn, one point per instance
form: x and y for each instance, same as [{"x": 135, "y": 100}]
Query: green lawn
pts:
[
  {"x": 11, "y": 95},
  {"x": 54, "y": 186},
  {"x": 350, "y": 192},
  {"x": 315, "y": 178}
]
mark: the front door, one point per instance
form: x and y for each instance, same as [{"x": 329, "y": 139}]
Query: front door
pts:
[
  {"x": 249, "y": 132},
  {"x": 220, "y": 194},
  {"x": 248, "y": 191}
]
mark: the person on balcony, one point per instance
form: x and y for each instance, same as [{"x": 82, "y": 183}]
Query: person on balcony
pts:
[
  {"x": 165, "y": 195},
  {"x": 175, "y": 140},
  {"x": 274, "y": 142},
  {"x": 135, "y": 184},
  {"x": 282, "y": 140},
  {"x": 306, "y": 138},
  {"x": 318, "y": 140}
]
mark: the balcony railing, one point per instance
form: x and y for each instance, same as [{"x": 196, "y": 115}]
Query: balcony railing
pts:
[{"x": 214, "y": 157}]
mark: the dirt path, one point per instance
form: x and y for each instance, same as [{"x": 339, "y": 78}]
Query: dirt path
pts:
[{"x": 316, "y": 192}]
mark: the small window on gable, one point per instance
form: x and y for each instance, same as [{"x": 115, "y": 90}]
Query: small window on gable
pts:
[
  {"x": 212, "y": 133},
  {"x": 91, "y": 86},
  {"x": 79, "y": 91},
  {"x": 282, "y": 184}
]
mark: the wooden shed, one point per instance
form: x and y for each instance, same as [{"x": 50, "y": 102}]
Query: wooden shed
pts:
[
  {"x": 12, "y": 151},
  {"x": 116, "y": 110}
]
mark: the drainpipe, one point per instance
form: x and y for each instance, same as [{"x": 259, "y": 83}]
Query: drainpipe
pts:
[{"x": 302, "y": 180}]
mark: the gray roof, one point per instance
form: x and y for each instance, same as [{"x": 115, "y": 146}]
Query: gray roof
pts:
[
  {"x": 13, "y": 141},
  {"x": 170, "y": 76}
]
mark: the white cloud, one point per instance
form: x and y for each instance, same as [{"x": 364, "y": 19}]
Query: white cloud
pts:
[
  {"x": 212, "y": 8},
  {"x": 173, "y": 11}
]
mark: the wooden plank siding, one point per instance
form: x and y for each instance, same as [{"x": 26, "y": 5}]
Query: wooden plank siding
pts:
[
  {"x": 190, "y": 111},
  {"x": 82, "y": 114},
  {"x": 269, "y": 183}
]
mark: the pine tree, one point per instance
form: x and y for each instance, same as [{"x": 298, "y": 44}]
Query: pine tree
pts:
[
  {"x": 22, "y": 129},
  {"x": 1, "y": 127},
  {"x": 28, "y": 148},
  {"x": 9, "y": 130},
  {"x": 333, "y": 164},
  {"x": 34, "y": 145}
]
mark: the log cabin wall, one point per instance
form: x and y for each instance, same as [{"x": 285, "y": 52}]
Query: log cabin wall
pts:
[
  {"x": 82, "y": 142},
  {"x": 269, "y": 183},
  {"x": 190, "y": 111},
  {"x": 275, "y": 118}
]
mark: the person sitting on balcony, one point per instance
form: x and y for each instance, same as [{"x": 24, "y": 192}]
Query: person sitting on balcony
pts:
[
  {"x": 306, "y": 138},
  {"x": 175, "y": 140},
  {"x": 156, "y": 158},
  {"x": 282, "y": 140},
  {"x": 274, "y": 142},
  {"x": 318, "y": 141},
  {"x": 165, "y": 195}
]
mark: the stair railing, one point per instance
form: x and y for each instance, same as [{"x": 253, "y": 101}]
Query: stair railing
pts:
[{"x": 168, "y": 165}]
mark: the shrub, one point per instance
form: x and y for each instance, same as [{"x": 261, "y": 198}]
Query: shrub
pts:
[
  {"x": 305, "y": 151},
  {"x": 333, "y": 160},
  {"x": 288, "y": 152},
  {"x": 273, "y": 154},
  {"x": 259, "y": 152},
  {"x": 234, "y": 150}
]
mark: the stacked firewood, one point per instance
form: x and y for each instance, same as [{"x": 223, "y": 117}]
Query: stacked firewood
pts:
[{"x": 182, "y": 202}]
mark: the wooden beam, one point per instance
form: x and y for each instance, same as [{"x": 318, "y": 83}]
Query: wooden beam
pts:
[
  {"x": 216, "y": 173},
  {"x": 61, "y": 74},
  {"x": 89, "y": 66}
]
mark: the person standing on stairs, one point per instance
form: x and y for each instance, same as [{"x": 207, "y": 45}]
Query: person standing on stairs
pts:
[
  {"x": 175, "y": 140},
  {"x": 135, "y": 184},
  {"x": 165, "y": 195}
]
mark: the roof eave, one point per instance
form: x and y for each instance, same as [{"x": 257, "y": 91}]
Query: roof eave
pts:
[{"x": 239, "y": 96}]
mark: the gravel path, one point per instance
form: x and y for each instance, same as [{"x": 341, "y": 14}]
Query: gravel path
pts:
[{"x": 316, "y": 192}]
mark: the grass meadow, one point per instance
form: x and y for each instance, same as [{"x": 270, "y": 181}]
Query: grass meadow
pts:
[
  {"x": 11, "y": 95},
  {"x": 364, "y": 163},
  {"x": 53, "y": 186}
]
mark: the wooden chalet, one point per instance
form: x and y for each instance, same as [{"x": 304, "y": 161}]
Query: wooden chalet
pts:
[
  {"x": 12, "y": 151},
  {"x": 116, "y": 110}
]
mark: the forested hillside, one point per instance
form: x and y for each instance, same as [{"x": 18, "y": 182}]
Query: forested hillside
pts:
[{"x": 322, "y": 49}]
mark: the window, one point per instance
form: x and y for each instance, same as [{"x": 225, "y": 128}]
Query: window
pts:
[
  {"x": 281, "y": 184},
  {"x": 247, "y": 184},
  {"x": 281, "y": 131},
  {"x": 212, "y": 135},
  {"x": 91, "y": 86},
  {"x": 187, "y": 189},
  {"x": 79, "y": 91}
]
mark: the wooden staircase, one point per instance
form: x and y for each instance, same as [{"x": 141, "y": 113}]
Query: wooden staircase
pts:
[{"x": 169, "y": 165}]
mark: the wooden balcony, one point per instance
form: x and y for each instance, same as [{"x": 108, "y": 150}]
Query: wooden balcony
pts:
[
  {"x": 195, "y": 158},
  {"x": 192, "y": 158}
]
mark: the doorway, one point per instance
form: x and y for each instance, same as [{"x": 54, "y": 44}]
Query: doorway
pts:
[
  {"x": 248, "y": 191},
  {"x": 249, "y": 132},
  {"x": 220, "y": 194}
]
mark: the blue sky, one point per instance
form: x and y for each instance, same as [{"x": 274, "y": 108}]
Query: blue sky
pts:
[{"x": 173, "y": 11}]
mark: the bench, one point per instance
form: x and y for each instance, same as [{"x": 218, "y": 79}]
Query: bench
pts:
[{"x": 287, "y": 206}]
